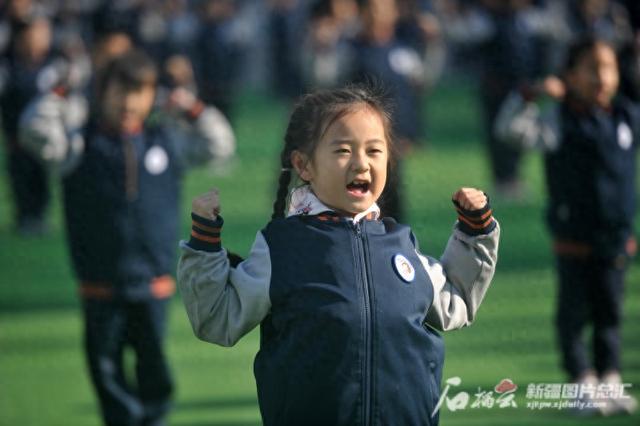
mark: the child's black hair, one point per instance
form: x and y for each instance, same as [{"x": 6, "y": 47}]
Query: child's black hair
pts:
[
  {"x": 311, "y": 117},
  {"x": 580, "y": 47},
  {"x": 132, "y": 71},
  {"x": 320, "y": 9}
]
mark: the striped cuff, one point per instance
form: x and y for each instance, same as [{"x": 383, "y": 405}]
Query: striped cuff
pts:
[
  {"x": 196, "y": 110},
  {"x": 205, "y": 233},
  {"x": 475, "y": 222}
]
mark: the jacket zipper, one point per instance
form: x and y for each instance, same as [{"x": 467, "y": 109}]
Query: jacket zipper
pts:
[
  {"x": 368, "y": 341},
  {"x": 131, "y": 170}
]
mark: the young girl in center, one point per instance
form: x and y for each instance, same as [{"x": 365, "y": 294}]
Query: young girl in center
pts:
[{"x": 348, "y": 308}]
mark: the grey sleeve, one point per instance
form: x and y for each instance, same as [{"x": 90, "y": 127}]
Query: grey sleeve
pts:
[
  {"x": 225, "y": 303},
  {"x": 522, "y": 124},
  {"x": 50, "y": 128},
  {"x": 461, "y": 278},
  {"x": 207, "y": 138}
]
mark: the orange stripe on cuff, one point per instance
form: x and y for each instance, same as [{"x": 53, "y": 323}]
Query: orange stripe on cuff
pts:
[
  {"x": 483, "y": 217},
  {"x": 205, "y": 237},
  {"x": 205, "y": 227},
  {"x": 474, "y": 225},
  {"x": 196, "y": 110}
]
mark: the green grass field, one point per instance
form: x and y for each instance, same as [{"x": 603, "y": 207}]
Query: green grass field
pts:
[{"x": 42, "y": 372}]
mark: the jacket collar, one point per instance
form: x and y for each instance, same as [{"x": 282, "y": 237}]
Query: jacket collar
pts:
[{"x": 305, "y": 203}]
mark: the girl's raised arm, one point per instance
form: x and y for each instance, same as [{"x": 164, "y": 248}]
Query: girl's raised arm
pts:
[
  {"x": 223, "y": 303},
  {"x": 462, "y": 276}
]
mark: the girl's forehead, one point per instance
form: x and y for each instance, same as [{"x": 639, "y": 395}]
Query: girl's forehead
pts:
[
  {"x": 361, "y": 118},
  {"x": 358, "y": 125}
]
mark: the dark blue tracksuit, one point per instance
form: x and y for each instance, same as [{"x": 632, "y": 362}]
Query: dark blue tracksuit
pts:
[
  {"x": 341, "y": 348},
  {"x": 591, "y": 183},
  {"x": 122, "y": 223}
]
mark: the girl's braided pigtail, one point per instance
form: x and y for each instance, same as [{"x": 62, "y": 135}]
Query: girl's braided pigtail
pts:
[
  {"x": 281, "y": 196},
  {"x": 283, "y": 184}
]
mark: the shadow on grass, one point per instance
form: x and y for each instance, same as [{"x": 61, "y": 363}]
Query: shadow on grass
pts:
[
  {"x": 215, "y": 423},
  {"x": 216, "y": 403},
  {"x": 196, "y": 405},
  {"x": 23, "y": 306}
]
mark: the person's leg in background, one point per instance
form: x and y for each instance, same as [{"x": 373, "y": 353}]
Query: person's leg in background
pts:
[
  {"x": 607, "y": 301},
  {"x": 29, "y": 184},
  {"x": 147, "y": 328},
  {"x": 105, "y": 339},
  {"x": 572, "y": 315}
]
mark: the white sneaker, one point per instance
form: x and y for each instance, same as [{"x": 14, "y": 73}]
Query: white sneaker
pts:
[
  {"x": 624, "y": 405},
  {"x": 588, "y": 406}
]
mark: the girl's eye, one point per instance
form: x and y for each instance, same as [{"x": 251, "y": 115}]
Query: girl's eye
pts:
[
  {"x": 341, "y": 151},
  {"x": 375, "y": 151}
]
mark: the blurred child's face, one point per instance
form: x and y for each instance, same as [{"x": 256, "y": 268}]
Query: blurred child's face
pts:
[
  {"x": 595, "y": 77},
  {"x": 380, "y": 13},
  {"x": 113, "y": 46},
  {"x": 348, "y": 170},
  {"x": 35, "y": 41},
  {"x": 126, "y": 110}
]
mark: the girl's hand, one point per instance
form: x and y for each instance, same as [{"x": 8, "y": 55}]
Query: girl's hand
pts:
[
  {"x": 470, "y": 199},
  {"x": 207, "y": 205}
]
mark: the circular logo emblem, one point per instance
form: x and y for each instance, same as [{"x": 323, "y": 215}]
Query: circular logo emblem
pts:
[
  {"x": 404, "y": 268},
  {"x": 156, "y": 160},
  {"x": 625, "y": 137}
]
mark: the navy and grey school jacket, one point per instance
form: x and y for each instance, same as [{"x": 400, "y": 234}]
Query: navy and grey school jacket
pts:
[
  {"x": 590, "y": 167},
  {"x": 348, "y": 313},
  {"x": 121, "y": 193}
]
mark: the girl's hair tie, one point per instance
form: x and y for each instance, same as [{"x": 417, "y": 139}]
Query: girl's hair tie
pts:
[{"x": 285, "y": 169}]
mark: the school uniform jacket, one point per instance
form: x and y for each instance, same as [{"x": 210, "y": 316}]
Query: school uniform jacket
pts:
[
  {"x": 590, "y": 167},
  {"x": 121, "y": 192},
  {"x": 348, "y": 311}
]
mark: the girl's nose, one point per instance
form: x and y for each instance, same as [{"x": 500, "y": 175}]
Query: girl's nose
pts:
[{"x": 359, "y": 163}]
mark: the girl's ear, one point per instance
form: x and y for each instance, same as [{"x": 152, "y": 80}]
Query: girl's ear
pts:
[{"x": 300, "y": 162}]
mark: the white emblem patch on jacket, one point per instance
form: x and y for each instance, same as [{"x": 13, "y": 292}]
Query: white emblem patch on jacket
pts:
[
  {"x": 625, "y": 137},
  {"x": 156, "y": 160},
  {"x": 404, "y": 268}
]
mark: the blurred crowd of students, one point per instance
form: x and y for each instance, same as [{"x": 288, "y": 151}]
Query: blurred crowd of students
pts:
[{"x": 213, "y": 47}]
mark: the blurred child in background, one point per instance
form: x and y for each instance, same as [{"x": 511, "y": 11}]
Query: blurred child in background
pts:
[
  {"x": 325, "y": 56},
  {"x": 121, "y": 170},
  {"x": 286, "y": 27},
  {"x": 219, "y": 54},
  {"x": 589, "y": 142},
  {"x": 508, "y": 58},
  {"x": 27, "y": 70}
]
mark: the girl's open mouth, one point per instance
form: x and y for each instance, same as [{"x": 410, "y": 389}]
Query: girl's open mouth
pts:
[{"x": 358, "y": 188}]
